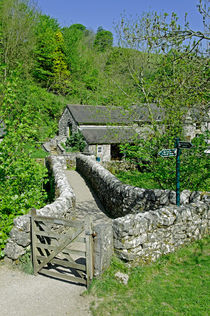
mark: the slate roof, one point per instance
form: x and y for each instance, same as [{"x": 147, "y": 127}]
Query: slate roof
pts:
[
  {"x": 99, "y": 115},
  {"x": 108, "y": 135},
  {"x": 197, "y": 114},
  {"x": 141, "y": 112},
  {"x": 104, "y": 115},
  {"x": 2, "y": 129}
]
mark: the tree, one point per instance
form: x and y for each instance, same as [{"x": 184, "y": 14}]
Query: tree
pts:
[
  {"x": 179, "y": 77},
  {"x": 17, "y": 41},
  {"x": 46, "y": 45},
  {"x": 61, "y": 74},
  {"x": 73, "y": 38},
  {"x": 177, "y": 84},
  {"x": 50, "y": 67},
  {"x": 103, "y": 40}
]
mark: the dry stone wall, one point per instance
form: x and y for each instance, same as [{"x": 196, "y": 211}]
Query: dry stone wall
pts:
[
  {"x": 63, "y": 206},
  {"x": 147, "y": 236},
  {"x": 120, "y": 199},
  {"x": 147, "y": 223}
]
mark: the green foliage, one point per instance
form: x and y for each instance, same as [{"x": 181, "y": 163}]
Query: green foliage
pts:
[
  {"x": 138, "y": 179},
  {"x": 21, "y": 178},
  {"x": 194, "y": 162},
  {"x": 73, "y": 38},
  {"x": 178, "y": 85},
  {"x": 76, "y": 142},
  {"x": 17, "y": 23},
  {"x": 177, "y": 284},
  {"x": 46, "y": 45},
  {"x": 60, "y": 81},
  {"x": 103, "y": 40},
  {"x": 25, "y": 263},
  {"x": 50, "y": 61}
]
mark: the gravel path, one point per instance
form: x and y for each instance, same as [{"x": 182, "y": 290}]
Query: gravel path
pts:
[{"x": 27, "y": 295}]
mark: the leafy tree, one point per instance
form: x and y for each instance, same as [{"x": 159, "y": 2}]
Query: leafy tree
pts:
[
  {"x": 17, "y": 40},
  {"x": 61, "y": 74},
  {"x": 177, "y": 84},
  {"x": 103, "y": 39},
  {"x": 194, "y": 162},
  {"x": 46, "y": 45},
  {"x": 51, "y": 67},
  {"x": 73, "y": 37}
]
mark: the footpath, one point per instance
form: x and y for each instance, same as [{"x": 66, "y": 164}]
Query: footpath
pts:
[
  {"x": 24, "y": 294},
  {"x": 87, "y": 203}
]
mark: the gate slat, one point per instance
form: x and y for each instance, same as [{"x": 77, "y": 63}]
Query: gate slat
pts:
[
  {"x": 51, "y": 234},
  {"x": 70, "y": 251},
  {"x": 58, "y": 221},
  {"x": 62, "y": 276},
  {"x": 67, "y": 264},
  {"x": 76, "y": 252}
]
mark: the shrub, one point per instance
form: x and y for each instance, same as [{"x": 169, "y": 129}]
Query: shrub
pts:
[{"x": 76, "y": 142}]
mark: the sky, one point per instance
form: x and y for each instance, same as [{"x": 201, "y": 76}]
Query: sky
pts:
[{"x": 95, "y": 13}]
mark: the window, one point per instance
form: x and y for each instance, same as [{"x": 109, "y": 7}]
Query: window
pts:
[{"x": 99, "y": 150}]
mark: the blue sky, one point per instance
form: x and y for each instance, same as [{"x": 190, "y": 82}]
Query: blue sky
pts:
[{"x": 95, "y": 13}]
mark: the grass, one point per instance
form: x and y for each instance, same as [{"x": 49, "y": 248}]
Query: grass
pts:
[
  {"x": 177, "y": 284},
  {"x": 39, "y": 153},
  {"x": 25, "y": 263},
  {"x": 36, "y": 151},
  {"x": 137, "y": 179}
]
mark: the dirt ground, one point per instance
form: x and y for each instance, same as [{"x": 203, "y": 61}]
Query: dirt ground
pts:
[{"x": 27, "y": 295}]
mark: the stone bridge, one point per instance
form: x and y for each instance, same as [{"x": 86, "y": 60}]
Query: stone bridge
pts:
[{"x": 137, "y": 224}]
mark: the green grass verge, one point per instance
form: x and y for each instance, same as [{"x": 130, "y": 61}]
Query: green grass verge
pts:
[
  {"x": 137, "y": 179},
  {"x": 39, "y": 153},
  {"x": 177, "y": 284}
]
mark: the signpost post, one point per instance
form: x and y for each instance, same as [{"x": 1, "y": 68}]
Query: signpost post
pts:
[
  {"x": 177, "y": 172},
  {"x": 176, "y": 152}
]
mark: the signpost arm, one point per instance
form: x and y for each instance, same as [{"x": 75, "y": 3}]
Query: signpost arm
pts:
[{"x": 177, "y": 172}]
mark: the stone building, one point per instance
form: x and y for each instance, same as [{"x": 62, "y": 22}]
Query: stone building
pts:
[{"x": 104, "y": 128}]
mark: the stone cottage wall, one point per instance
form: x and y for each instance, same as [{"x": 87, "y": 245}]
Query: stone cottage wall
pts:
[
  {"x": 63, "y": 206},
  {"x": 65, "y": 121},
  {"x": 147, "y": 236},
  {"x": 120, "y": 199}
]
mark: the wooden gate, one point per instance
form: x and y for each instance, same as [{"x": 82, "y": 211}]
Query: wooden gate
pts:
[{"x": 62, "y": 249}]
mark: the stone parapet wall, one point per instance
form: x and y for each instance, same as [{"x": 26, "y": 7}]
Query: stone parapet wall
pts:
[
  {"x": 120, "y": 199},
  {"x": 147, "y": 236},
  {"x": 62, "y": 207}
]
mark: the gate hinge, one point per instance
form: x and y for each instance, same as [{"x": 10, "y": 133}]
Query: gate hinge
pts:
[{"x": 93, "y": 234}]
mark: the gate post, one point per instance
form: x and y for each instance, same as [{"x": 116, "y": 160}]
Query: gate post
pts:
[
  {"x": 89, "y": 250},
  {"x": 33, "y": 240}
]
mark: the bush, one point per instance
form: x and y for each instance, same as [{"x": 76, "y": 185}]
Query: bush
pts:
[
  {"x": 194, "y": 162},
  {"x": 76, "y": 142}
]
